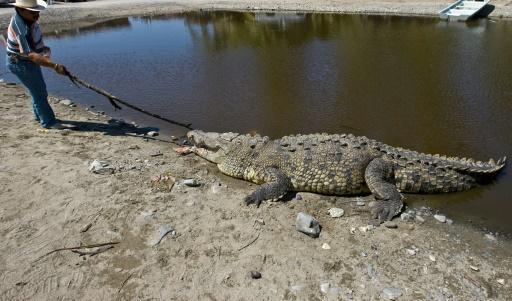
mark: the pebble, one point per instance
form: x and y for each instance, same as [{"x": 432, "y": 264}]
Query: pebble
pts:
[
  {"x": 152, "y": 134},
  {"x": 307, "y": 224},
  {"x": 191, "y": 182},
  {"x": 66, "y": 102},
  {"x": 336, "y": 212},
  {"x": 411, "y": 252},
  {"x": 366, "y": 228},
  {"x": 449, "y": 221},
  {"x": 326, "y": 246},
  {"x": 406, "y": 217},
  {"x": 490, "y": 237},
  {"x": 255, "y": 275},
  {"x": 324, "y": 287},
  {"x": 298, "y": 197},
  {"x": 501, "y": 281},
  {"x": 432, "y": 258},
  {"x": 391, "y": 293},
  {"x": 360, "y": 203},
  {"x": 440, "y": 218},
  {"x": 474, "y": 268},
  {"x": 352, "y": 230},
  {"x": 100, "y": 167},
  {"x": 390, "y": 224}
]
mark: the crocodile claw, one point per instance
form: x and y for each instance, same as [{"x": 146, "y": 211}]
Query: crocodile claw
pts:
[
  {"x": 385, "y": 210},
  {"x": 253, "y": 199}
]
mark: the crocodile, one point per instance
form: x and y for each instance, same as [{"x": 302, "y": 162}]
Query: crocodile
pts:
[{"x": 338, "y": 164}]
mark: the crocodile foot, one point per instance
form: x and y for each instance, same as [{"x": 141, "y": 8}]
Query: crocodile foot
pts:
[{"x": 385, "y": 210}]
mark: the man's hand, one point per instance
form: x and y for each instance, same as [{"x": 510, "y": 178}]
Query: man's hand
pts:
[{"x": 61, "y": 69}]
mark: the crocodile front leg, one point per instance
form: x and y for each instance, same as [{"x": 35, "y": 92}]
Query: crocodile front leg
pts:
[
  {"x": 275, "y": 185},
  {"x": 378, "y": 176}
]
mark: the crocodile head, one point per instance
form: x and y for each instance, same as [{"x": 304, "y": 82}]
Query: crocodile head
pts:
[{"x": 230, "y": 151}]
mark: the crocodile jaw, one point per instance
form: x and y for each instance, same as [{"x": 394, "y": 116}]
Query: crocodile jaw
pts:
[{"x": 210, "y": 145}]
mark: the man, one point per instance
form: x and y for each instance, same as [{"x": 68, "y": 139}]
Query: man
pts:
[{"x": 26, "y": 53}]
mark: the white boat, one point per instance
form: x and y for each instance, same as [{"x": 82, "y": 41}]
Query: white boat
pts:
[{"x": 462, "y": 10}]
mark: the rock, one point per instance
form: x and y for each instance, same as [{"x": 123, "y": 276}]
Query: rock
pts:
[
  {"x": 367, "y": 228},
  {"x": 360, "y": 203},
  {"x": 191, "y": 182},
  {"x": 326, "y": 246},
  {"x": 440, "y": 218},
  {"x": 336, "y": 212},
  {"x": 390, "y": 224},
  {"x": 152, "y": 134},
  {"x": 298, "y": 197},
  {"x": 86, "y": 228},
  {"x": 501, "y": 281},
  {"x": 161, "y": 233},
  {"x": 474, "y": 268},
  {"x": 352, "y": 230},
  {"x": 255, "y": 274},
  {"x": 307, "y": 224},
  {"x": 410, "y": 252},
  {"x": 449, "y": 221},
  {"x": 391, "y": 293},
  {"x": 260, "y": 221},
  {"x": 432, "y": 258},
  {"x": 100, "y": 167},
  {"x": 66, "y": 102},
  {"x": 406, "y": 217},
  {"x": 324, "y": 287},
  {"x": 490, "y": 237}
]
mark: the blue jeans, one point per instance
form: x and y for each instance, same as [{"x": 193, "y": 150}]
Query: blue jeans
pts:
[{"x": 30, "y": 75}]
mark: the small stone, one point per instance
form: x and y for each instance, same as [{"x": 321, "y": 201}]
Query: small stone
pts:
[
  {"x": 326, "y": 246},
  {"x": 440, "y": 218},
  {"x": 391, "y": 293},
  {"x": 324, "y": 287},
  {"x": 390, "y": 224},
  {"x": 191, "y": 183},
  {"x": 406, "y": 217},
  {"x": 420, "y": 219},
  {"x": 360, "y": 203},
  {"x": 490, "y": 237},
  {"x": 86, "y": 228},
  {"x": 474, "y": 268},
  {"x": 152, "y": 133},
  {"x": 255, "y": 275},
  {"x": 432, "y": 258},
  {"x": 501, "y": 281},
  {"x": 298, "y": 197},
  {"x": 364, "y": 254},
  {"x": 307, "y": 224},
  {"x": 336, "y": 212},
  {"x": 66, "y": 102},
  {"x": 449, "y": 221},
  {"x": 260, "y": 221},
  {"x": 367, "y": 228},
  {"x": 352, "y": 230},
  {"x": 100, "y": 167},
  {"x": 410, "y": 252}
]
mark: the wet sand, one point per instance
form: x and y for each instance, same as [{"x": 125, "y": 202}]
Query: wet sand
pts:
[{"x": 51, "y": 200}]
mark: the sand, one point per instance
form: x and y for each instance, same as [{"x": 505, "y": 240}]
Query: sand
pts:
[{"x": 51, "y": 200}]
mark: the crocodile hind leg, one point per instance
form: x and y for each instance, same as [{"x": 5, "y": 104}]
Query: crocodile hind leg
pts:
[
  {"x": 275, "y": 185},
  {"x": 378, "y": 176}
]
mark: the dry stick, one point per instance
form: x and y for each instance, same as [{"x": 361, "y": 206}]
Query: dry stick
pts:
[
  {"x": 112, "y": 98},
  {"x": 258, "y": 236},
  {"x": 77, "y": 248},
  {"x": 124, "y": 282},
  {"x": 92, "y": 253}
]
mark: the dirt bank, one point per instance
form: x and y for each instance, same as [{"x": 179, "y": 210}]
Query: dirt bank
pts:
[
  {"x": 63, "y": 14},
  {"x": 50, "y": 200}
]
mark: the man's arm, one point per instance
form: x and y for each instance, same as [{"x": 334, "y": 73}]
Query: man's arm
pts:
[{"x": 47, "y": 62}]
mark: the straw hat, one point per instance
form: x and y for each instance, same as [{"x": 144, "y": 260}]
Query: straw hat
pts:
[{"x": 33, "y": 5}]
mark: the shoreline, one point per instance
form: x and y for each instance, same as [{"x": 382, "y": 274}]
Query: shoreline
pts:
[{"x": 52, "y": 200}]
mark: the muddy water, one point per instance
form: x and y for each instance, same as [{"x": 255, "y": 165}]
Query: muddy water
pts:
[{"x": 423, "y": 84}]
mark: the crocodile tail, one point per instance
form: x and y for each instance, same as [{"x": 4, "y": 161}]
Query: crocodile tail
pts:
[{"x": 466, "y": 165}]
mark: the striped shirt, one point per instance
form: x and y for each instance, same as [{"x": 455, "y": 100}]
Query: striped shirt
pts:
[{"x": 23, "y": 38}]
